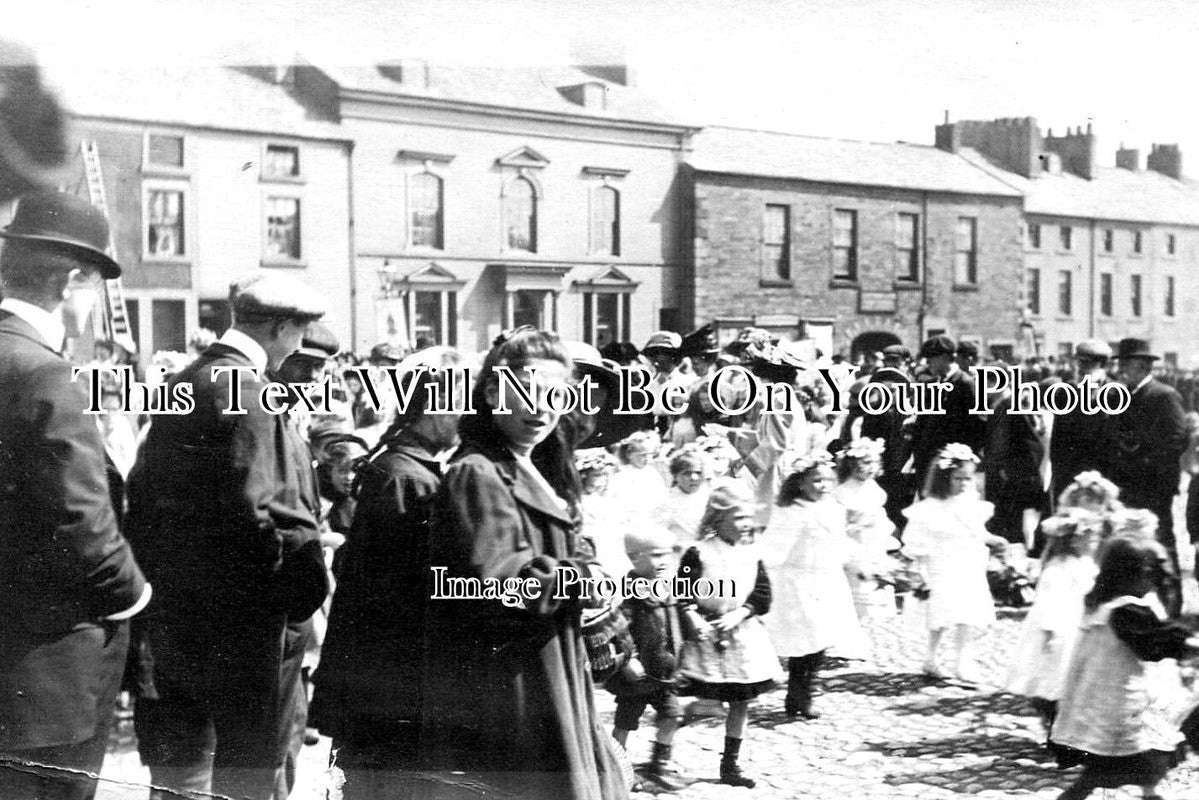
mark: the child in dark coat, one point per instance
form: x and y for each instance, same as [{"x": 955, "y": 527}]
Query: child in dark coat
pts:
[{"x": 656, "y": 628}]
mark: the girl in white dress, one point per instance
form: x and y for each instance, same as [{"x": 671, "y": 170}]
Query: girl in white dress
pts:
[
  {"x": 808, "y": 550},
  {"x": 637, "y": 488},
  {"x": 868, "y": 525},
  {"x": 1041, "y": 658},
  {"x": 685, "y": 501},
  {"x": 947, "y": 538},
  {"x": 600, "y": 524}
]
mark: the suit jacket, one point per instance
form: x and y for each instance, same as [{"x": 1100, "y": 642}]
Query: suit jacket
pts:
[
  {"x": 1151, "y": 435},
  {"x": 1080, "y": 442},
  {"x": 63, "y": 564},
  {"x": 1014, "y": 453},
  {"x": 933, "y": 431},
  {"x": 221, "y": 513}
]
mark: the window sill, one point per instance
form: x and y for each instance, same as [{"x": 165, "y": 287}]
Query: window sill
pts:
[
  {"x": 424, "y": 249},
  {"x": 165, "y": 261},
  {"x": 159, "y": 171},
  {"x": 844, "y": 283},
  {"x": 290, "y": 180},
  {"x": 908, "y": 286},
  {"x": 767, "y": 283},
  {"x": 1063, "y": 319},
  {"x": 289, "y": 263},
  {"x": 965, "y": 287},
  {"x": 1063, "y": 252},
  {"x": 1136, "y": 255}
]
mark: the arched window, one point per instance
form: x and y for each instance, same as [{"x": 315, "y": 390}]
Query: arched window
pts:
[
  {"x": 425, "y": 210},
  {"x": 520, "y": 215},
  {"x": 605, "y": 221}
]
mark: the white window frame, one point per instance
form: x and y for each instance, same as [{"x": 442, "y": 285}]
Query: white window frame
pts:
[
  {"x": 410, "y": 173},
  {"x": 166, "y": 170},
  {"x": 538, "y": 197},
  {"x": 605, "y": 179},
  {"x": 269, "y": 177},
  {"x": 277, "y": 260},
  {"x": 189, "y": 216}
]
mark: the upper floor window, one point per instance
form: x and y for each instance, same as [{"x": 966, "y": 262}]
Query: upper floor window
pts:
[
  {"x": 1171, "y": 244},
  {"x": 1138, "y": 242},
  {"x": 283, "y": 228},
  {"x": 1034, "y": 235},
  {"x": 845, "y": 245},
  {"x": 164, "y": 150},
  {"x": 164, "y": 223},
  {"x": 907, "y": 247},
  {"x": 776, "y": 244},
  {"x": 1034, "y": 291},
  {"x": 1105, "y": 294},
  {"x": 1169, "y": 295},
  {"x": 965, "y": 256},
  {"x": 1067, "y": 237},
  {"x": 1135, "y": 295},
  {"x": 282, "y": 161},
  {"x": 1065, "y": 293},
  {"x": 520, "y": 215},
  {"x": 1109, "y": 240},
  {"x": 605, "y": 221},
  {"x": 425, "y": 197}
]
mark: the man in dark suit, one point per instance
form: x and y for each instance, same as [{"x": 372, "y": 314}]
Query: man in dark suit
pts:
[
  {"x": 932, "y": 432},
  {"x": 68, "y": 580},
  {"x": 1151, "y": 435},
  {"x": 219, "y": 518},
  {"x": 1080, "y": 442}
]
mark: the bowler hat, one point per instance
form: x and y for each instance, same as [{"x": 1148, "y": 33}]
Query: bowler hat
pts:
[
  {"x": 1134, "y": 348},
  {"x": 940, "y": 345},
  {"x": 68, "y": 222}
]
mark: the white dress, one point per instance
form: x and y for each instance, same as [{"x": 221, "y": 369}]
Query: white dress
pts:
[
  {"x": 636, "y": 493},
  {"x": 681, "y": 512},
  {"x": 806, "y": 550},
  {"x": 871, "y": 529},
  {"x": 606, "y": 531},
  {"x": 951, "y": 534},
  {"x": 1037, "y": 670}
]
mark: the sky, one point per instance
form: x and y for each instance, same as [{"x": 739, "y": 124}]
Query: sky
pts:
[{"x": 859, "y": 69}]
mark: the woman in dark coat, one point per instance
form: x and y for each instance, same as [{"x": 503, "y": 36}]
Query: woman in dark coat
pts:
[{"x": 508, "y": 696}]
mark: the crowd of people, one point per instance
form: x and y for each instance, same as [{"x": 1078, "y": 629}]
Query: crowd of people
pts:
[{"x": 252, "y": 578}]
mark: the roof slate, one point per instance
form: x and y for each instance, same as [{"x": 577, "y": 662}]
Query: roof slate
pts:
[{"x": 899, "y": 165}]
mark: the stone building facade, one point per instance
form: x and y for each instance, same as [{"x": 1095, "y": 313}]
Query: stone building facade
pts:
[{"x": 854, "y": 245}]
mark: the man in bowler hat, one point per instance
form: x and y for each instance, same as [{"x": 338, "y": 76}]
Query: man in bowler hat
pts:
[
  {"x": 1080, "y": 442},
  {"x": 222, "y": 520},
  {"x": 1150, "y": 437},
  {"x": 68, "y": 581},
  {"x": 932, "y": 432}
]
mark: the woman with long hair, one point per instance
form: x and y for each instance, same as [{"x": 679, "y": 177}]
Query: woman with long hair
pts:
[{"x": 508, "y": 694}]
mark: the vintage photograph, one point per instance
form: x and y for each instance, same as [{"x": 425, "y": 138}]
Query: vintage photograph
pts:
[{"x": 506, "y": 399}]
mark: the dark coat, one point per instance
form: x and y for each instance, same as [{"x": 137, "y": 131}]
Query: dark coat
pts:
[
  {"x": 658, "y": 631},
  {"x": 369, "y": 677},
  {"x": 221, "y": 512},
  {"x": 1151, "y": 435},
  {"x": 933, "y": 431},
  {"x": 1013, "y": 461},
  {"x": 1079, "y": 443},
  {"x": 509, "y": 690},
  {"x": 63, "y": 564}
]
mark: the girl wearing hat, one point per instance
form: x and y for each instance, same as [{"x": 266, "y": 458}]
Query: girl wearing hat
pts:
[
  {"x": 1038, "y": 666},
  {"x": 730, "y": 659},
  {"x": 814, "y": 608},
  {"x": 948, "y": 539}
]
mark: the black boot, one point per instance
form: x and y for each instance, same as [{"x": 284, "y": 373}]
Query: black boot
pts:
[
  {"x": 808, "y": 691},
  {"x": 794, "y": 686},
  {"x": 658, "y": 772},
  {"x": 730, "y": 773}
]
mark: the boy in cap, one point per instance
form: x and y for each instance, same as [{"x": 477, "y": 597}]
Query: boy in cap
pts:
[{"x": 656, "y": 627}]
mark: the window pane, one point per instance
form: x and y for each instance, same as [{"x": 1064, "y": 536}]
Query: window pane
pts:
[
  {"x": 1034, "y": 235},
  {"x": 164, "y": 221},
  {"x": 1065, "y": 300},
  {"x": 1136, "y": 295},
  {"x": 626, "y": 303},
  {"x": 907, "y": 254},
  {"x": 965, "y": 257},
  {"x": 426, "y": 323},
  {"x": 1171, "y": 244},
  {"x": 845, "y": 244},
  {"x": 1034, "y": 291},
  {"x": 134, "y": 313},
  {"x": 283, "y": 227},
  {"x": 165, "y": 151},
  {"x": 425, "y": 210},
  {"x": 282, "y": 161},
  {"x": 605, "y": 222},
  {"x": 1109, "y": 238},
  {"x": 1105, "y": 294},
  {"x": 169, "y": 318},
  {"x": 1169, "y": 295},
  {"x": 520, "y": 216},
  {"x": 1067, "y": 237},
  {"x": 605, "y": 318},
  {"x": 527, "y": 308},
  {"x": 776, "y": 244},
  {"x": 1137, "y": 241}
]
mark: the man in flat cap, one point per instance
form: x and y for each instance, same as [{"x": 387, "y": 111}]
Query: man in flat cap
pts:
[
  {"x": 896, "y": 356},
  {"x": 68, "y": 580},
  {"x": 1081, "y": 442},
  {"x": 1150, "y": 437},
  {"x": 932, "y": 432},
  {"x": 663, "y": 351},
  {"x": 222, "y": 523}
]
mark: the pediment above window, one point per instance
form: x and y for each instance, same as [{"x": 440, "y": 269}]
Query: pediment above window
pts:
[
  {"x": 433, "y": 277},
  {"x": 523, "y": 158},
  {"x": 606, "y": 279}
]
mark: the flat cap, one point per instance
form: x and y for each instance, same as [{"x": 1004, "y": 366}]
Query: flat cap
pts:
[
  {"x": 1093, "y": 348},
  {"x": 386, "y": 351},
  {"x": 968, "y": 349},
  {"x": 318, "y": 342},
  {"x": 896, "y": 351},
  {"x": 940, "y": 345},
  {"x": 663, "y": 340},
  {"x": 264, "y": 295}
]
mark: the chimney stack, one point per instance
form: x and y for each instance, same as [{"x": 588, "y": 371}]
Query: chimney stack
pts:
[
  {"x": 1077, "y": 150},
  {"x": 1128, "y": 158},
  {"x": 1166, "y": 159},
  {"x": 1014, "y": 144}
]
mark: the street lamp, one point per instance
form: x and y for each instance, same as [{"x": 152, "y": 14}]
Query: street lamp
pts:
[{"x": 387, "y": 278}]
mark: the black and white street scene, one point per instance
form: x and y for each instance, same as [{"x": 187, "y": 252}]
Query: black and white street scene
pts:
[{"x": 530, "y": 400}]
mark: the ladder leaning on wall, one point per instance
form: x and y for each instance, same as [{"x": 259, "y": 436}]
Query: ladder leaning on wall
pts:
[{"x": 114, "y": 321}]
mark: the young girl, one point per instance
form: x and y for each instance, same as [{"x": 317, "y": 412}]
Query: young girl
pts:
[
  {"x": 731, "y": 659},
  {"x": 868, "y": 525},
  {"x": 601, "y": 525},
  {"x": 685, "y": 502},
  {"x": 1095, "y": 496},
  {"x": 637, "y": 488},
  {"x": 1042, "y": 656},
  {"x": 1112, "y": 717},
  {"x": 813, "y": 609},
  {"x": 947, "y": 537}
]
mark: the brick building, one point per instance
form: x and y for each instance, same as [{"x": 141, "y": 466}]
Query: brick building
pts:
[
  {"x": 211, "y": 172},
  {"x": 854, "y": 245},
  {"x": 1109, "y": 252}
]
